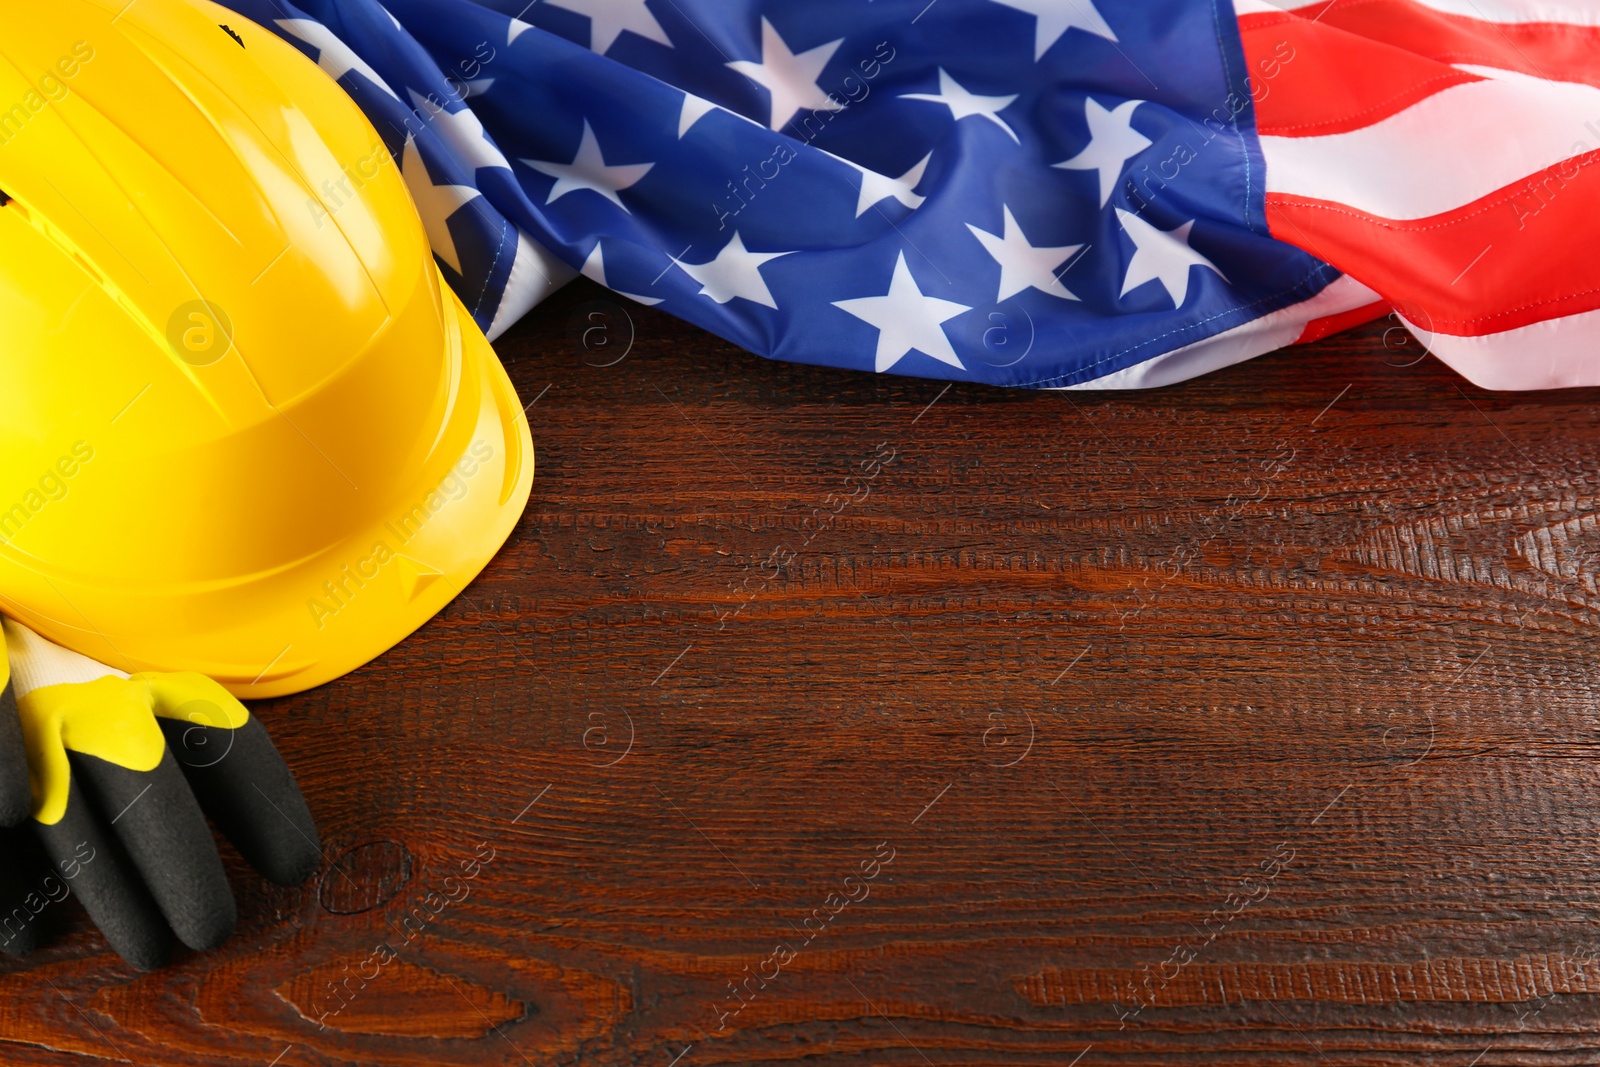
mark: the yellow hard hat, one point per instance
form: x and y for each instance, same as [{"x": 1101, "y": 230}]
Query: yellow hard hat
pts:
[{"x": 246, "y": 430}]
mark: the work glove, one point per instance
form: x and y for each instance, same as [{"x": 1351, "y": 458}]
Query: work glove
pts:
[
  {"x": 28, "y": 887},
  {"x": 112, "y": 771}
]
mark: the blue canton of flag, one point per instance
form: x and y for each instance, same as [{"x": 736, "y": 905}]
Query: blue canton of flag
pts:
[{"x": 1020, "y": 192}]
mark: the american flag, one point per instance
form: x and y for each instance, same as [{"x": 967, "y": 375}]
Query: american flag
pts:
[{"x": 1039, "y": 193}]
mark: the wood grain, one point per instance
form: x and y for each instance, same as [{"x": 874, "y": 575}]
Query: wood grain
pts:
[{"x": 829, "y": 718}]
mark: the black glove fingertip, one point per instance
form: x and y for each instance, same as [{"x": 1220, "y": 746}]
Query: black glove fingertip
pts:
[
  {"x": 104, "y": 879},
  {"x": 249, "y": 792},
  {"x": 154, "y": 816}
]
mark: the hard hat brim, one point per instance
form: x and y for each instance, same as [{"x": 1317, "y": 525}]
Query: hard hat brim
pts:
[{"x": 275, "y": 634}]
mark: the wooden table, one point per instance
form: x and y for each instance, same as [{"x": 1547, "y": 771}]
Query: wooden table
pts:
[{"x": 829, "y": 718}]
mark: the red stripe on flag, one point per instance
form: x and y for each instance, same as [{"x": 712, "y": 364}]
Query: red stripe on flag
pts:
[
  {"x": 1311, "y": 79},
  {"x": 1329, "y": 325},
  {"x": 1557, "y": 51},
  {"x": 1504, "y": 261}
]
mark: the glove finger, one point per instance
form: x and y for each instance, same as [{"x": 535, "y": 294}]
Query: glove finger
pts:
[
  {"x": 105, "y": 880},
  {"x": 249, "y": 792},
  {"x": 15, "y": 801},
  {"x": 27, "y": 887},
  {"x": 156, "y": 819},
  {"x": 237, "y": 775}
]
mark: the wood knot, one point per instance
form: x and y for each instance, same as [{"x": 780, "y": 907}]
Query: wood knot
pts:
[{"x": 365, "y": 876}]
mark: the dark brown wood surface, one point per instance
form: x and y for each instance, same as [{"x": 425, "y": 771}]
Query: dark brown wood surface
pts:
[{"x": 824, "y": 718}]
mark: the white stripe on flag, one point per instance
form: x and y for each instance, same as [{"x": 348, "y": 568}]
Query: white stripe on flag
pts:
[
  {"x": 535, "y": 274},
  {"x": 1553, "y": 354},
  {"x": 1266, "y": 334},
  {"x": 1518, "y": 11},
  {"x": 1443, "y": 152}
]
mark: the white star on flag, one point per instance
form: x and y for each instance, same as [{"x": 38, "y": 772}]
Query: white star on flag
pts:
[
  {"x": 1161, "y": 255},
  {"x": 594, "y": 268},
  {"x": 516, "y": 29},
  {"x": 1023, "y": 266},
  {"x": 876, "y": 186},
  {"x": 1112, "y": 142},
  {"x": 1056, "y": 17},
  {"x": 906, "y": 320},
  {"x": 462, "y": 131},
  {"x": 963, "y": 104},
  {"x": 435, "y": 203},
  {"x": 790, "y": 78},
  {"x": 696, "y": 108},
  {"x": 589, "y": 170},
  {"x": 609, "y": 18},
  {"x": 736, "y": 271},
  {"x": 333, "y": 55}
]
